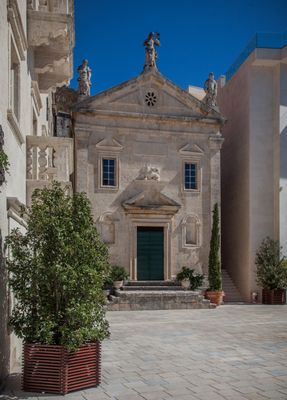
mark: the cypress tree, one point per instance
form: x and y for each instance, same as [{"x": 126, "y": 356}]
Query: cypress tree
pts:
[{"x": 214, "y": 268}]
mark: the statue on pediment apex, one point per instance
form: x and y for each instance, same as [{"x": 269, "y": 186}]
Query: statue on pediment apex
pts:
[{"x": 150, "y": 52}]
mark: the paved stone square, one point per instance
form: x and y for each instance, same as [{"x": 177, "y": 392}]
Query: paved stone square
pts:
[{"x": 233, "y": 352}]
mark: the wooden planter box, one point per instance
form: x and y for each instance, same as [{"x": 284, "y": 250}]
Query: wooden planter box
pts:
[
  {"x": 275, "y": 296},
  {"x": 53, "y": 369}
]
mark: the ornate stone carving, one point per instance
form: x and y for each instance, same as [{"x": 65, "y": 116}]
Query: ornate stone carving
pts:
[
  {"x": 149, "y": 173},
  {"x": 210, "y": 88},
  {"x": 84, "y": 80},
  {"x": 150, "y": 52}
]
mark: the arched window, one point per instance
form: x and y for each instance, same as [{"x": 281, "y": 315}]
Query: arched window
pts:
[{"x": 191, "y": 231}]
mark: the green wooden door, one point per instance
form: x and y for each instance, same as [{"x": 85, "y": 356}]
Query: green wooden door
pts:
[{"x": 149, "y": 253}]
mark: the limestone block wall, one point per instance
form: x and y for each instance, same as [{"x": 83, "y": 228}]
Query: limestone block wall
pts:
[{"x": 159, "y": 145}]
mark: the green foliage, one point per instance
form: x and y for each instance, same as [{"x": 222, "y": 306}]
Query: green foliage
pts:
[
  {"x": 57, "y": 270},
  {"x": 118, "y": 273},
  {"x": 214, "y": 267},
  {"x": 4, "y": 163},
  {"x": 196, "y": 280},
  {"x": 271, "y": 265}
]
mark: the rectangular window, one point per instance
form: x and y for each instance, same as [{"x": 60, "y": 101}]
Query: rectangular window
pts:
[
  {"x": 108, "y": 172},
  {"x": 190, "y": 176},
  {"x": 14, "y": 82}
]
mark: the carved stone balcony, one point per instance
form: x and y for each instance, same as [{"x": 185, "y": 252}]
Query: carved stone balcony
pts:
[
  {"x": 48, "y": 158},
  {"x": 51, "y": 35}
]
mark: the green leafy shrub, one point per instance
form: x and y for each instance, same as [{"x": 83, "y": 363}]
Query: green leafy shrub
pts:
[
  {"x": 57, "y": 270},
  {"x": 214, "y": 267},
  {"x": 196, "y": 280},
  {"x": 118, "y": 273},
  {"x": 271, "y": 265}
]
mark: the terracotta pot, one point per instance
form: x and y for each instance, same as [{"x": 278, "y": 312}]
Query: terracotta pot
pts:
[
  {"x": 118, "y": 284},
  {"x": 275, "y": 296},
  {"x": 215, "y": 297},
  {"x": 185, "y": 283},
  {"x": 53, "y": 369}
]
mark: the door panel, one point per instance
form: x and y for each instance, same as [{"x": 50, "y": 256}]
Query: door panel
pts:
[{"x": 150, "y": 253}]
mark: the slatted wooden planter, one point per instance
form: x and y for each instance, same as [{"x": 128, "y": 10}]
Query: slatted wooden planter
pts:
[
  {"x": 52, "y": 369},
  {"x": 275, "y": 296}
]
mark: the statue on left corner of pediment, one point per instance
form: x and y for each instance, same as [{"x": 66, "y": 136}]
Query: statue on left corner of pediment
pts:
[{"x": 84, "y": 80}]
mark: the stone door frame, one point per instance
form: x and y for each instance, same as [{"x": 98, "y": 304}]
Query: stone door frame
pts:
[{"x": 164, "y": 222}]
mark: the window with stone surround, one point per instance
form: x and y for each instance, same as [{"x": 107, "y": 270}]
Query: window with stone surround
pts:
[
  {"x": 191, "y": 175},
  {"x": 108, "y": 177},
  {"x": 14, "y": 94}
]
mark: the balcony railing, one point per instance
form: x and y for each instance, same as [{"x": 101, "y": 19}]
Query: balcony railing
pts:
[
  {"x": 260, "y": 40},
  {"x": 48, "y": 158},
  {"x": 57, "y": 6}
]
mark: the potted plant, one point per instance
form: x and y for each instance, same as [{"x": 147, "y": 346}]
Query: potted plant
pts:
[
  {"x": 215, "y": 293},
  {"x": 56, "y": 271},
  {"x": 108, "y": 285},
  {"x": 271, "y": 272},
  {"x": 189, "y": 279},
  {"x": 118, "y": 275}
]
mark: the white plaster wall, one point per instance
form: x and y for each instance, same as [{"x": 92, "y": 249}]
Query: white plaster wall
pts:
[
  {"x": 263, "y": 170},
  {"x": 233, "y": 100},
  {"x": 283, "y": 155}
]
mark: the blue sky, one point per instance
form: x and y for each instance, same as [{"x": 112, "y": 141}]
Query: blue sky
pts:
[{"x": 196, "y": 36}]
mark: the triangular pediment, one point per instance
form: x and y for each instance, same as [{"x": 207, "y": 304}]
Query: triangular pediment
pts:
[
  {"x": 151, "y": 200},
  {"x": 110, "y": 144},
  {"x": 191, "y": 149},
  {"x": 151, "y": 94}
]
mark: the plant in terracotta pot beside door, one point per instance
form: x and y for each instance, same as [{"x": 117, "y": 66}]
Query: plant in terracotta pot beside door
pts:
[
  {"x": 215, "y": 293},
  {"x": 271, "y": 272},
  {"x": 56, "y": 272},
  {"x": 118, "y": 275}
]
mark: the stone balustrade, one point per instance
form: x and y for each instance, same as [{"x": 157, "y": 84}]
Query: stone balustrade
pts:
[
  {"x": 48, "y": 158},
  {"x": 56, "y": 6}
]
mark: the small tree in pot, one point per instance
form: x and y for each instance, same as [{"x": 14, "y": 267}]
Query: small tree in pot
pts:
[
  {"x": 56, "y": 273},
  {"x": 271, "y": 272},
  {"x": 215, "y": 293}
]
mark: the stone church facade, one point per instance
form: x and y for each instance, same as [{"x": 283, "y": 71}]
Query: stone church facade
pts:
[{"x": 148, "y": 156}]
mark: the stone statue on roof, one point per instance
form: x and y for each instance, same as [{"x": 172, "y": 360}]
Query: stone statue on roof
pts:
[
  {"x": 210, "y": 88},
  {"x": 84, "y": 80},
  {"x": 150, "y": 52}
]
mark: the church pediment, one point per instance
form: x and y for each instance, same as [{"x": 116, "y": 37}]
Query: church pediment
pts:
[
  {"x": 149, "y": 93},
  {"x": 151, "y": 201}
]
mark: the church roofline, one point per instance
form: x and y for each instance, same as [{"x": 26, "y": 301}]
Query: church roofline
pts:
[{"x": 80, "y": 106}]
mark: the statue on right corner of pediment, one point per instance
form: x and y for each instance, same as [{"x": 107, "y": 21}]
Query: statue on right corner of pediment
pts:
[{"x": 210, "y": 88}]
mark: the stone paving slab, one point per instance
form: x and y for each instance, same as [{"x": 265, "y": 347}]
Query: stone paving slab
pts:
[{"x": 235, "y": 352}]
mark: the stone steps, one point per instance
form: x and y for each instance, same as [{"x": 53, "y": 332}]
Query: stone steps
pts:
[
  {"x": 145, "y": 287},
  {"x": 131, "y": 300},
  {"x": 150, "y": 283},
  {"x": 232, "y": 294}
]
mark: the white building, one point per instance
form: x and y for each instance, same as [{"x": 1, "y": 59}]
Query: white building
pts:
[
  {"x": 36, "y": 40},
  {"x": 254, "y": 156}
]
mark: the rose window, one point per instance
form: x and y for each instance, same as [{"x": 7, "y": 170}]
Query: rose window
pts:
[{"x": 150, "y": 99}]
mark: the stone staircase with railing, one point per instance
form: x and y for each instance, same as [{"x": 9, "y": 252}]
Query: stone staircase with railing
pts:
[
  {"x": 156, "y": 295},
  {"x": 232, "y": 294}
]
